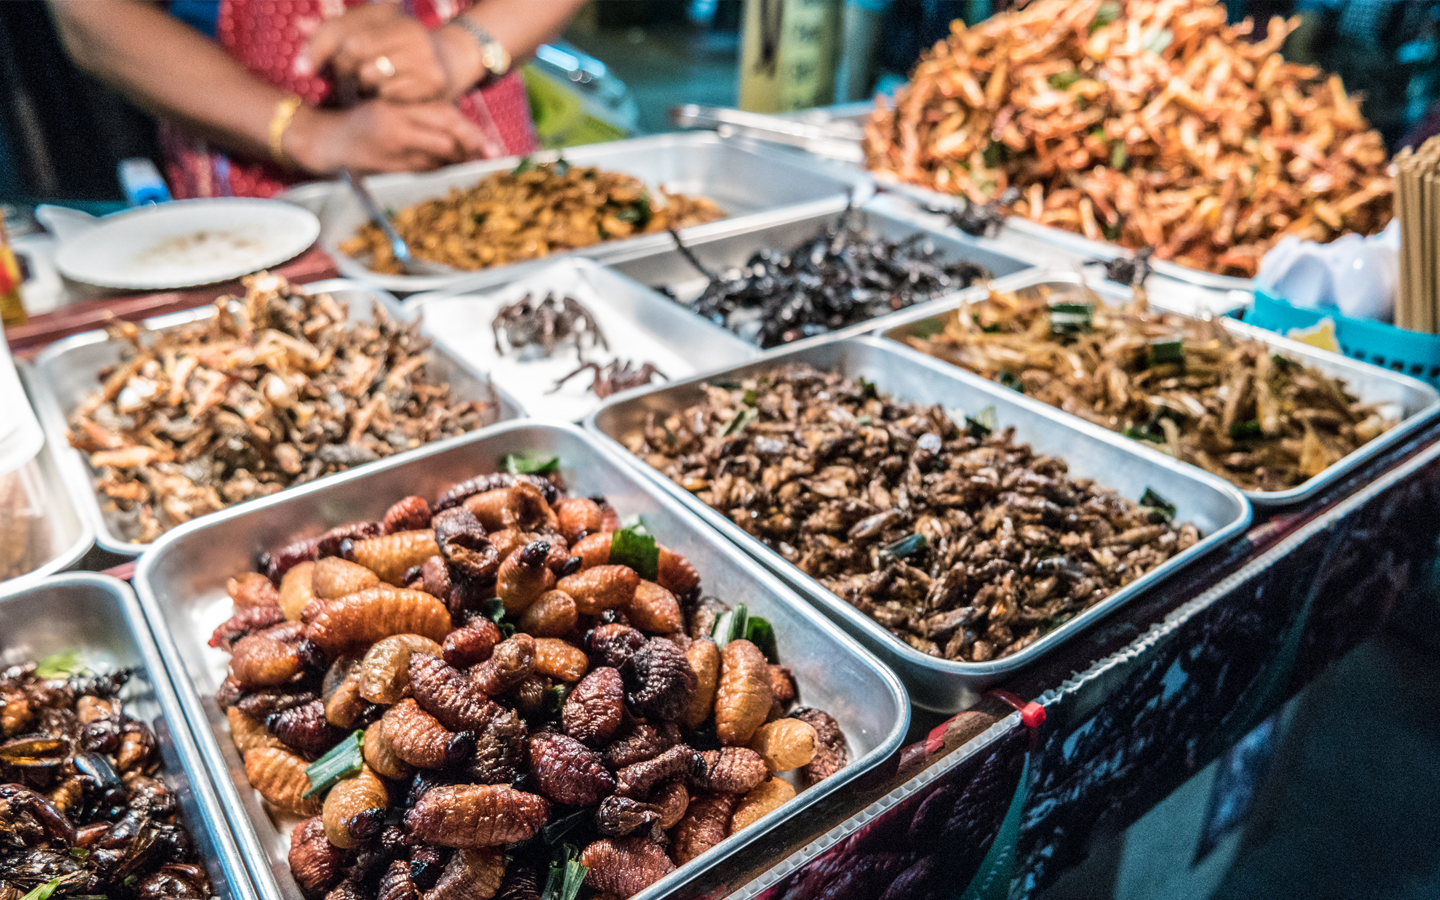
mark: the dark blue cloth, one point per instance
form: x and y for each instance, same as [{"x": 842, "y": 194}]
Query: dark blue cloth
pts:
[{"x": 198, "y": 14}]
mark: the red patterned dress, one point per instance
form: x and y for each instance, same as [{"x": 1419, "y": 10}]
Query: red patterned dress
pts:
[{"x": 266, "y": 36}]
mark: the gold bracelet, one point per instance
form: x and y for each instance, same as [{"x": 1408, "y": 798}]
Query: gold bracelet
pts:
[{"x": 279, "y": 123}]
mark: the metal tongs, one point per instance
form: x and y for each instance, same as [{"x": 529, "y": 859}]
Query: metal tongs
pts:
[
  {"x": 410, "y": 264},
  {"x": 836, "y": 140}
]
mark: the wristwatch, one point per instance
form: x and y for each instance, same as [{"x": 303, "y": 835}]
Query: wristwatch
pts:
[{"x": 493, "y": 56}]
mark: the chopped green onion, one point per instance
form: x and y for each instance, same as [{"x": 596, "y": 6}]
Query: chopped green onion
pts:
[
  {"x": 1158, "y": 505},
  {"x": 1071, "y": 318},
  {"x": 1245, "y": 431},
  {"x": 552, "y": 833},
  {"x": 730, "y": 625},
  {"x": 526, "y": 165},
  {"x": 867, "y": 388},
  {"x": 524, "y": 464},
  {"x": 906, "y": 546},
  {"x": 992, "y": 155},
  {"x": 637, "y": 214},
  {"x": 59, "y": 665},
  {"x": 927, "y": 328},
  {"x": 983, "y": 423},
  {"x": 43, "y": 891},
  {"x": 1280, "y": 363},
  {"x": 79, "y": 852},
  {"x": 742, "y": 418},
  {"x": 727, "y": 385},
  {"x": 1145, "y": 433},
  {"x": 339, "y": 762},
  {"x": 1108, "y": 12},
  {"x": 993, "y": 328},
  {"x": 1156, "y": 40},
  {"x": 493, "y": 609},
  {"x": 555, "y": 698},
  {"x": 1063, "y": 80},
  {"x": 567, "y": 875},
  {"x": 1011, "y": 380},
  {"x": 635, "y": 547},
  {"x": 761, "y": 633},
  {"x": 1118, "y": 157},
  {"x": 865, "y": 421},
  {"x": 1167, "y": 353},
  {"x": 750, "y": 397}
]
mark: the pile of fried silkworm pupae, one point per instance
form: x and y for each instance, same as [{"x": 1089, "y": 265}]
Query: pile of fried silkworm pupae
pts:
[{"x": 504, "y": 681}]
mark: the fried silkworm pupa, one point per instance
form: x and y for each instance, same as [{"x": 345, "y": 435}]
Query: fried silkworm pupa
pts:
[
  {"x": 764, "y": 798},
  {"x": 408, "y": 514},
  {"x": 613, "y": 645},
  {"x": 731, "y": 770},
  {"x": 672, "y": 799},
  {"x": 522, "y": 506},
  {"x": 453, "y": 699},
  {"x": 279, "y": 776},
  {"x": 374, "y": 614},
  {"x": 252, "y": 589},
  {"x": 593, "y": 549},
  {"x": 305, "y": 730},
  {"x": 316, "y": 863},
  {"x": 645, "y": 741},
  {"x": 385, "y": 669},
  {"x": 341, "y": 692},
  {"x": 465, "y": 545},
  {"x": 476, "y": 815},
  {"x": 244, "y": 622},
  {"x": 831, "y": 752},
  {"x": 297, "y": 590},
  {"x": 578, "y": 517},
  {"x": 785, "y": 744},
  {"x": 248, "y": 733},
  {"x": 380, "y": 754},
  {"x": 637, "y": 780},
  {"x": 263, "y": 704},
  {"x": 259, "y": 660},
  {"x": 600, "y": 588},
  {"x": 560, "y": 660},
  {"x": 654, "y": 609},
  {"x": 434, "y": 578},
  {"x": 333, "y": 578},
  {"x": 472, "y": 644},
  {"x": 552, "y": 615},
  {"x": 660, "y": 680},
  {"x": 473, "y": 873},
  {"x": 594, "y": 710},
  {"x": 500, "y": 750},
  {"x": 396, "y": 883},
  {"x": 706, "y": 823},
  {"x": 390, "y": 556},
  {"x": 354, "y": 809},
  {"x": 512, "y": 661},
  {"x": 704, "y": 659},
  {"x": 524, "y": 576},
  {"x": 624, "y": 867},
  {"x": 619, "y": 816},
  {"x": 676, "y": 573},
  {"x": 420, "y": 740},
  {"x": 568, "y": 772},
  {"x": 782, "y": 685},
  {"x": 743, "y": 698},
  {"x": 529, "y": 695}
]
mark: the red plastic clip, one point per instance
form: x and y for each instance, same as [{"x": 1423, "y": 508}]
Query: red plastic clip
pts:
[{"x": 1031, "y": 713}]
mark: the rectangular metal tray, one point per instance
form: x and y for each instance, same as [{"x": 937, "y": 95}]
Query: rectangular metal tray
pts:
[
  {"x": 1414, "y": 402},
  {"x": 640, "y": 325},
  {"x": 99, "y": 617},
  {"x": 744, "y": 178},
  {"x": 880, "y": 217},
  {"x": 181, "y": 583},
  {"x": 66, "y": 373},
  {"x": 1216, "y": 508}
]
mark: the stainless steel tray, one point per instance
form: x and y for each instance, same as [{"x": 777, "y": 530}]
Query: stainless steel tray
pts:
[
  {"x": 744, "y": 178},
  {"x": 640, "y": 325},
  {"x": 1412, "y": 401},
  {"x": 98, "y": 616},
  {"x": 881, "y": 217},
  {"x": 1214, "y": 505},
  {"x": 181, "y": 583},
  {"x": 66, "y": 373}
]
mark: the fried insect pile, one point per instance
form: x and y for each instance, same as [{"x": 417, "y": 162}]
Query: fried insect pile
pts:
[
  {"x": 529, "y": 212},
  {"x": 82, "y": 806},
  {"x": 961, "y": 542},
  {"x": 275, "y": 389},
  {"x": 1262, "y": 421},
  {"x": 835, "y": 279},
  {"x": 511, "y": 671},
  {"x": 1141, "y": 122}
]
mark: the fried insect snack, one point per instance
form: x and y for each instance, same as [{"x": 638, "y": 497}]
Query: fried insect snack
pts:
[
  {"x": 1151, "y": 124},
  {"x": 529, "y": 212}
]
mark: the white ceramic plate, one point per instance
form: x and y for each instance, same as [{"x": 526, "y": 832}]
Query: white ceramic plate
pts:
[{"x": 186, "y": 243}]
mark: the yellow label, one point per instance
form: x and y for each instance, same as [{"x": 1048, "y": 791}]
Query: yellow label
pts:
[
  {"x": 12, "y": 311},
  {"x": 1321, "y": 334},
  {"x": 789, "y": 55}
]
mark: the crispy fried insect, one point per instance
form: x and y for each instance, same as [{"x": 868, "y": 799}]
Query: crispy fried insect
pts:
[
  {"x": 765, "y": 798},
  {"x": 251, "y": 589},
  {"x": 434, "y": 577},
  {"x": 568, "y": 772},
  {"x": 731, "y": 770},
  {"x": 639, "y": 779},
  {"x": 552, "y": 615},
  {"x": 524, "y": 576},
  {"x": 304, "y": 729},
  {"x": 510, "y": 663},
  {"x": 831, "y": 752},
  {"x": 385, "y": 670},
  {"x": 613, "y": 645},
  {"x": 785, "y": 744},
  {"x": 672, "y": 799},
  {"x": 464, "y": 647},
  {"x": 355, "y": 808},
  {"x": 333, "y": 578},
  {"x": 258, "y": 660},
  {"x": 420, "y": 739},
  {"x": 279, "y": 776},
  {"x": 296, "y": 590},
  {"x": 521, "y": 506},
  {"x": 619, "y": 816},
  {"x": 410, "y": 514},
  {"x": 600, "y": 588},
  {"x": 623, "y": 867},
  {"x": 742, "y": 699},
  {"x": 248, "y": 732},
  {"x": 644, "y": 741},
  {"x": 465, "y": 545},
  {"x": 473, "y": 873},
  {"x": 560, "y": 660},
  {"x": 593, "y": 549},
  {"x": 578, "y": 517},
  {"x": 380, "y": 754},
  {"x": 676, "y": 574},
  {"x": 500, "y": 750},
  {"x": 782, "y": 685},
  {"x": 246, "y": 621},
  {"x": 654, "y": 609},
  {"x": 659, "y": 679},
  {"x": 453, "y": 699},
  {"x": 341, "y": 691},
  {"x": 706, "y": 823},
  {"x": 390, "y": 556},
  {"x": 316, "y": 863},
  {"x": 463, "y": 491},
  {"x": 595, "y": 709},
  {"x": 476, "y": 815},
  {"x": 396, "y": 883},
  {"x": 529, "y": 695},
  {"x": 376, "y": 613},
  {"x": 704, "y": 659},
  {"x": 263, "y": 704}
]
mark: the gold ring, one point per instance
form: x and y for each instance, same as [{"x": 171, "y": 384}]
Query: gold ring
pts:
[{"x": 386, "y": 67}]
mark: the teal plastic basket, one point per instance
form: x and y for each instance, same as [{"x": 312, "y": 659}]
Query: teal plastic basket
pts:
[{"x": 1407, "y": 352}]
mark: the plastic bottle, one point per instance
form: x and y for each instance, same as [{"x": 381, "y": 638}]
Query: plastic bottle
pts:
[{"x": 12, "y": 309}]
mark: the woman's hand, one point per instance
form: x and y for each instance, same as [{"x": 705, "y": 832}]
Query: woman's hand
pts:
[
  {"x": 379, "y": 136},
  {"x": 415, "y": 69}
]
